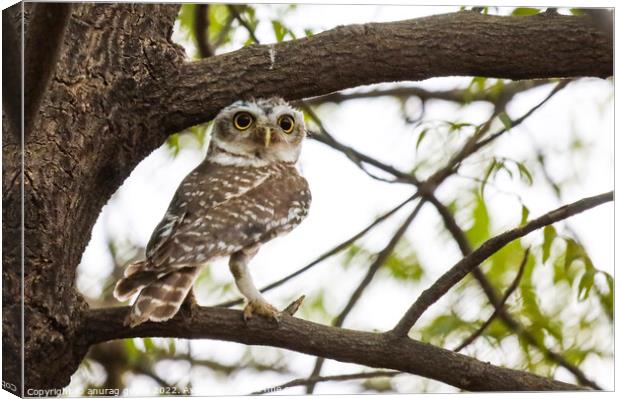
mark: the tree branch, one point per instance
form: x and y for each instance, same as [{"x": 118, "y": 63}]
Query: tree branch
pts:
[
  {"x": 201, "y": 30},
  {"x": 540, "y": 46},
  {"x": 523, "y": 117},
  {"x": 358, "y": 158},
  {"x": 513, "y": 286},
  {"x": 243, "y": 22},
  {"x": 487, "y": 249},
  {"x": 371, "y": 349},
  {"x": 455, "y": 95},
  {"x": 378, "y": 262},
  {"x": 340, "y": 377},
  {"x": 370, "y": 274}
]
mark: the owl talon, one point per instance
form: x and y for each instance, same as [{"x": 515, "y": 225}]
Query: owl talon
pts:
[{"x": 261, "y": 308}]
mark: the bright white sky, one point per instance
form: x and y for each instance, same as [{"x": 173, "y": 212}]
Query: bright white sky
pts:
[{"x": 345, "y": 200}]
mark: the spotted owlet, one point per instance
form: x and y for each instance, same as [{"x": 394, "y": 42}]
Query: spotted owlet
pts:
[{"x": 246, "y": 192}]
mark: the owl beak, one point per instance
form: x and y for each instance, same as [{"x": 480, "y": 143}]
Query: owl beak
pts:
[{"x": 267, "y": 136}]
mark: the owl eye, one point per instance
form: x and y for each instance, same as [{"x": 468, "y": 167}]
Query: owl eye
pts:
[
  {"x": 286, "y": 123},
  {"x": 243, "y": 120}
]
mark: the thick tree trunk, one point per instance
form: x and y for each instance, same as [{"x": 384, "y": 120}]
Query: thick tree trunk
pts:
[
  {"x": 120, "y": 86},
  {"x": 77, "y": 154},
  {"x": 11, "y": 200}
]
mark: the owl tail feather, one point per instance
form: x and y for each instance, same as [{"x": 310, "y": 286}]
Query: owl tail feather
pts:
[
  {"x": 126, "y": 287},
  {"x": 161, "y": 299},
  {"x": 134, "y": 267}
]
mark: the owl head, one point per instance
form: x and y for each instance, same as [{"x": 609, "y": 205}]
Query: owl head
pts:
[{"x": 258, "y": 130}]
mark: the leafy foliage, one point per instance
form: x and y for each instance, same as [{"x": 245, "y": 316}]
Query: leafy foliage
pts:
[{"x": 401, "y": 264}]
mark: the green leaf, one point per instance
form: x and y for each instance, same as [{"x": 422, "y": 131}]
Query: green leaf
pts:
[
  {"x": 456, "y": 126},
  {"x": 503, "y": 262},
  {"x": 403, "y": 263},
  {"x": 420, "y": 138},
  {"x": 585, "y": 284},
  {"x": 505, "y": 119},
  {"x": 132, "y": 352},
  {"x": 496, "y": 331},
  {"x": 477, "y": 83},
  {"x": 481, "y": 227},
  {"x": 573, "y": 252},
  {"x": 525, "y": 213},
  {"x": 549, "y": 234},
  {"x": 220, "y": 21},
  {"x": 606, "y": 296},
  {"x": 438, "y": 329},
  {"x": 501, "y": 165},
  {"x": 575, "y": 355},
  {"x": 355, "y": 254},
  {"x": 524, "y": 173},
  {"x": 279, "y": 30},
  {"x": 497, "y": 89},
  {"x": 149, "y": 345},
  {"x": 487, "y": 174},
  {"x": 525, "y": 11},
  {"x": 172, "y": 348},
  {"x": 173, "y": 144},
  {"x": 186, "y": 17}
]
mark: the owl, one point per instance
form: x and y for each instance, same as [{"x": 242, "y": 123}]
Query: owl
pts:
[{"x": 246, "y": 192}]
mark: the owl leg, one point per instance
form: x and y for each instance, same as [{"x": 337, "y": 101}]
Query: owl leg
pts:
[{"x": 256, "y": 303}]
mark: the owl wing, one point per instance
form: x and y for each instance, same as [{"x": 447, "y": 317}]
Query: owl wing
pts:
[
  {"x": 273, "y": 206},
  {"x": 206, "y": 187}
]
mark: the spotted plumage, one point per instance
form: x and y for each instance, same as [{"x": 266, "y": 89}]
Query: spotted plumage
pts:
[{"x": 246, "y": 192}]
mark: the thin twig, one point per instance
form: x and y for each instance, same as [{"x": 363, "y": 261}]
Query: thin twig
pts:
[
  {"x": 338, "y": 248},
  {"x": 487, "y": 249},
  {"x": 370, "y": 274},
  {"x": 340, "y": 377},
  {"x": 513, "y": 286},
  {"x": 220, "y": 38},
  {"x": 555, "y": 187},
  {"x": 357, "y": 157},
  {"x": 243, "y": 22},
  {"x": 474, "y": 143},
  {"x": 455, "y": 95},
  {"x": 378, "y": 262},
  {"x": 562, "y": 84}
]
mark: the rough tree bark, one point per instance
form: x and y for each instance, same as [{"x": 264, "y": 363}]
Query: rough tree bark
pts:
[
  {"x": 120, "y": 86},
  {"x": 76, "y": 156}
]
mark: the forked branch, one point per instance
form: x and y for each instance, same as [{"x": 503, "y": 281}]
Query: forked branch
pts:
[
  {"x": 366, "y": 348},
  {"x": 486, "y": 250}
]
